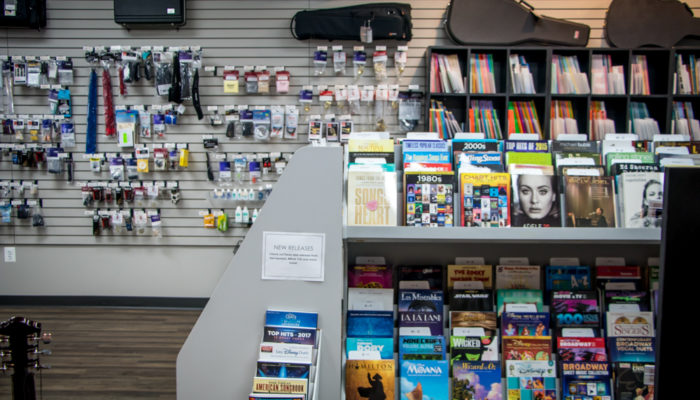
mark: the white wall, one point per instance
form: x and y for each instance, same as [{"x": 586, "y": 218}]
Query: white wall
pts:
[{"x": 64, "y": 258}]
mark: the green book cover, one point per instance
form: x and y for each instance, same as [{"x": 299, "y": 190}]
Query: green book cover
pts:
[
  {"x": 514, "y": 157},
  {"x": 519, "y": 296}
]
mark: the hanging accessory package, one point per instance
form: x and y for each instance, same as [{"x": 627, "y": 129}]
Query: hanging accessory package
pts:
[
  {"x": 320, "y": 60},
  {"x": 379, "y": 61}
]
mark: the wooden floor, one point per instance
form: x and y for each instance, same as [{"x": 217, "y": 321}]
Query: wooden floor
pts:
[{"x": 107, "y": 353}]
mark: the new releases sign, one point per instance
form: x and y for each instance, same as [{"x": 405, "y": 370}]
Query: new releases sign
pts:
[{"x": 293, "y": 256}]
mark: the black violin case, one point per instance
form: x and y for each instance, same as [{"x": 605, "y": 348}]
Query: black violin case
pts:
[
  {"x": 636, "y": 23},
  {"x": 507, "y": 22}
]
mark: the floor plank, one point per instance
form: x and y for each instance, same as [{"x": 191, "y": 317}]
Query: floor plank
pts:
[{"x": 107, "y": 353}]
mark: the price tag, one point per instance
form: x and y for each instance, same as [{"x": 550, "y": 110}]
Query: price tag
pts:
[
  {"x": 521, "y": 308},
  {"x": 322, "y": 48},
  {"x": 367, "y": 260},
  {"x": 364, "y": 355},
  {"x": 358, "y": 48},
  {"x": 610, "y": 261},
  {"x": 414, "y": 285},
  {"x": 564, "y": 261},
  {"x": 470, "y": 261},
  {"x": 469, "y": 285},
  {"x": 514, "y": 261},
  {"x": 380, "y": 48},
  {"x": 468, "y": 332},
  {"x": 571, "y": 137},
  {"x": 414, "y": 331}
]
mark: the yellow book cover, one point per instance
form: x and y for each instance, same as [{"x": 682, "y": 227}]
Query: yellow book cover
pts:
[
  {"x": 469, "y": 273},
  {"x": 369, "y": 379},
  {"x": 372, "y": 198},
  {"x": 485, "y": 199},
  {"x": 280, "y": 385},
  {"x": 371, "y": 145}
]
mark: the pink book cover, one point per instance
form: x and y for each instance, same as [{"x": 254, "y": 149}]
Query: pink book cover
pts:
[{"x": 370, "y": 276}]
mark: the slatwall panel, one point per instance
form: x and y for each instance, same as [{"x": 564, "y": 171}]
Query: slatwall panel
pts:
[{"x": 230, "y": 33}]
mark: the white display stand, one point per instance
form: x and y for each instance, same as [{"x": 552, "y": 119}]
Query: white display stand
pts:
[{"x": 218, "y": 359}]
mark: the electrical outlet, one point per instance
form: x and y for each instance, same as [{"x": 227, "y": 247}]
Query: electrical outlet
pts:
[{"x": 10, "y": 255}]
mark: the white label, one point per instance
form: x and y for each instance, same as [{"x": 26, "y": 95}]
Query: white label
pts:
[
  {"x": 521, "y": 308},
  {"x": 380, "y": 48},
  {"x": 632, "y": 308},
  {"x": 370, "y": 260},
  {"x": 524, "y": 136},
  {"x": 469, "y": 285},
  {"x": 583, "y": 172},
  {"x": 364, "y": 355},
  {"x": 414, "y": 285},
  {"x": 422, "y": 136},
  {"x": 577, "y": 332},
  {"x": 470, "y": 261},
  {"x": 358, "y": 48},
  {"x": 413, "y": 87},
  {"x": 514, "y": 261},
  {"x": 575, "y": 161},
  {"x": 414, "y": 331},
  {"x": 678, "y": 150},
  {"x": 671, "y": 138},
  {"x": 610, "y": 261},
  {"x": 620, "y": 286},
  {"x": 322, "y": 48},
  {"x": 622, "y": 136},
  {"x": 564, "y": 261},
  {"x": 468, "y": 332},
  {"x": 676, "y": 161},
  {"x": 337, "y": 48},
  {"x": 402, "y": 48},
  {"x": 469, "y": 135},
  {"x": 170, "y": 11},
  {"x": 571, "y": 137},
  {"x": 293, "y": 256}
]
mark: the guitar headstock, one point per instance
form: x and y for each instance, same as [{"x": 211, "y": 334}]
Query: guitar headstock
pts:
[{"x": 20, "y": 340}]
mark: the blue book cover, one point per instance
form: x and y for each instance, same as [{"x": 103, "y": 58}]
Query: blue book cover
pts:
[
  {"x": 425, "y": 380},
  {"x": 422, "y": 348},
  {"x": 421, "y": 300},
  {"x": 282, "y": 334},
  {"x": 632, "y": 349},
  {"x": 294, "y": 319},
  {"x": 525, "y": 324},
  {"x": 583, "y": 380},
  {"x": 477, "y": 380},
  {"x": 283, "y": 370},
  {"x": 370, "y": 324},
  {"x": 385, "y": 346},
  {"x": 570, "y": 277},
  {"x": 531, "y": 380},
  {"x": 426, "y": 151}
]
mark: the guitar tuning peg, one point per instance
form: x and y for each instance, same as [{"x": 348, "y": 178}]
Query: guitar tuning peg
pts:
[
  {"x": 44, "y": 352},
  {"x": 39, "y": 365}
]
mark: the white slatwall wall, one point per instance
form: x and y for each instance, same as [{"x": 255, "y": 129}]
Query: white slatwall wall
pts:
[{"x": 230, "y": 33}]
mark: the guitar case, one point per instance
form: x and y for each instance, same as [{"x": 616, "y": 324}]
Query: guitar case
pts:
[
  {"x": 636, "y": 23},
  {"x": 507, "y": 22}
]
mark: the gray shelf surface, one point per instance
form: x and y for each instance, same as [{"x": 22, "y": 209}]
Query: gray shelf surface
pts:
[{"x": 400, "y": 234}]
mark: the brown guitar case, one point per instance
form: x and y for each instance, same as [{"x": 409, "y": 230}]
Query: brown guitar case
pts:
[
  {"x": 508, "y": 22},
  {"x": 637, "y": 23}
]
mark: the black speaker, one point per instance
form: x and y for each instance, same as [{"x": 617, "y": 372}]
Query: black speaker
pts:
[{"x": 150, "y": 12}]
